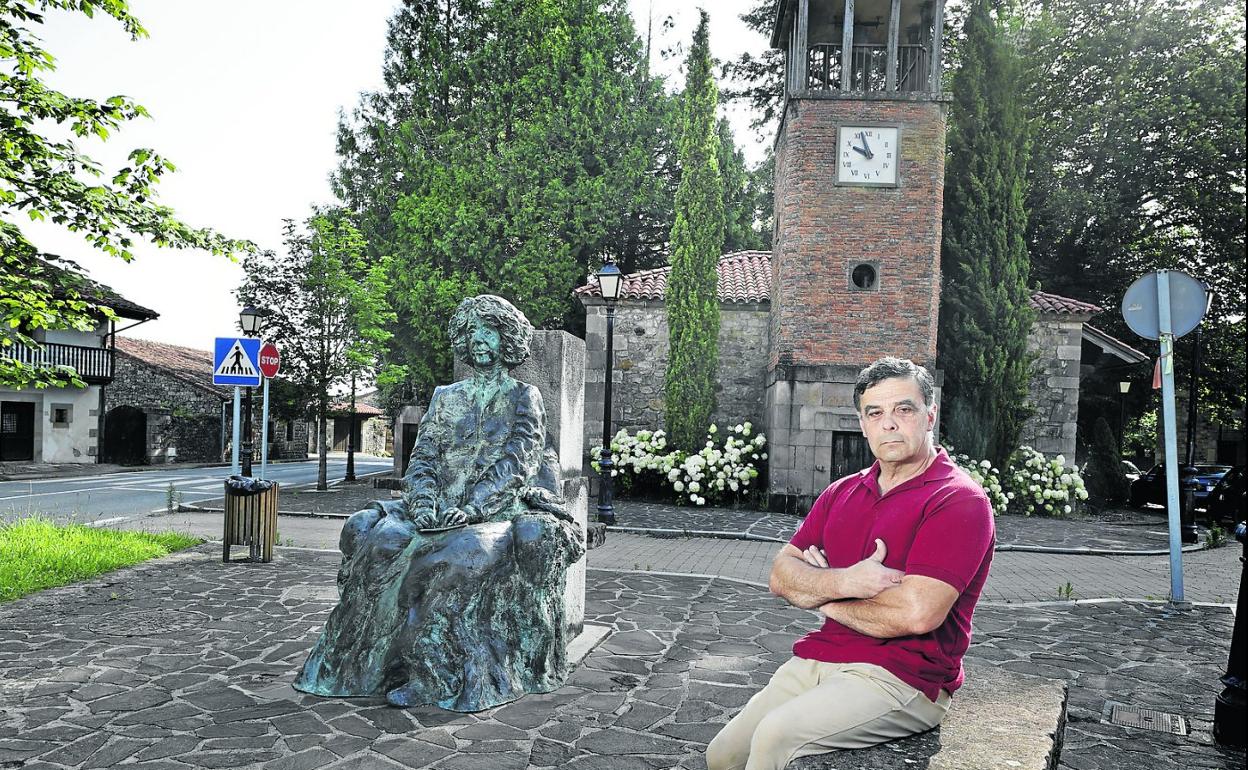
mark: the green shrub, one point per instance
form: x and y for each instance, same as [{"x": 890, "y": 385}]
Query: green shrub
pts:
[{"x": 1106, "y": 482}]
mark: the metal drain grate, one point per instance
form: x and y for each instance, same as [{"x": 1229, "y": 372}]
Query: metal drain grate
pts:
[{"x": 1145, "y": 719}]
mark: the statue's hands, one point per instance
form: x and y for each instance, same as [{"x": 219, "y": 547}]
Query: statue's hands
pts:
[
  {"x": 423, "y": 518},
  {"x": 463, "y": 515}
]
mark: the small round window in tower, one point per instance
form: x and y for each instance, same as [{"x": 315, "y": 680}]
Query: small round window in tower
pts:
[{"x": 864, "y": 277}]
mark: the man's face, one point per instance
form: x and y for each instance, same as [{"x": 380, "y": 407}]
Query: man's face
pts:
[{"x": 895, "y": 420}]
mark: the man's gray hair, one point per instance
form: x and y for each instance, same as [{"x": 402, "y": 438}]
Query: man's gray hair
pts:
[{"x": 889, "y": 367}]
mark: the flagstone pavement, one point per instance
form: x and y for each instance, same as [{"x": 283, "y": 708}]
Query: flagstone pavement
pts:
[{"x": 184, "y": 662}]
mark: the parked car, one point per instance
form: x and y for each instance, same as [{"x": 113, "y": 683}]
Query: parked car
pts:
[
  {"x": 1151, "y": 487},
  {"x": 1229, "y": 498},
  {"x": 1130, "y": 471}
]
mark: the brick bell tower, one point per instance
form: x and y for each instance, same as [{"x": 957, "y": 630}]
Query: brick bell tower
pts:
[{"x": 858, "y": 194}]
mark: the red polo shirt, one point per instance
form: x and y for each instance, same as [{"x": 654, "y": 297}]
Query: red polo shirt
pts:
[{"x": 938, "y": 524}]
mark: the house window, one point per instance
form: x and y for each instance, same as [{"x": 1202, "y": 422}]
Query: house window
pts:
[{"x": 62, "y": 415}]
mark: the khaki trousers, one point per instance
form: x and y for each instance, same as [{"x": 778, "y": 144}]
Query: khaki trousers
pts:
[{"x": 810, "y": 707}]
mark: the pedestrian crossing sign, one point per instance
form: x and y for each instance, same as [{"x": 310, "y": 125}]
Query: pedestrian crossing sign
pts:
[{"x": 236, "y": 361}]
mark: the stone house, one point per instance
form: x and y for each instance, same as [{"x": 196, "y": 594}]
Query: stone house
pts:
[
  {"x": 162, "y": 407},
  {"x": 65, "y": 425},
  {"x": 824, "y": 440},
  {"x": 373, "y": 434}
]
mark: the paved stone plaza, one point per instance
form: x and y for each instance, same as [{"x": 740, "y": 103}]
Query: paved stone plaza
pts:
[{"x": 185, "y": 662}]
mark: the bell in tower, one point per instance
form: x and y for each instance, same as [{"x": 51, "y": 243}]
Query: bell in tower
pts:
[{"x": 858, "y": 194}]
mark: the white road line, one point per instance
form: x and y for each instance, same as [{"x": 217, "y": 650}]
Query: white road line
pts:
[{"x": 64, "y": 492}]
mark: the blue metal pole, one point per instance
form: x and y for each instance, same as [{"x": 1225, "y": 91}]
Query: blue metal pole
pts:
[{"x": 1166, "y": 338}]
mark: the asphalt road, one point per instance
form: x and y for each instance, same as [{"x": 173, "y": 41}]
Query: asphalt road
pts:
[{"x": 116, "y": 498}]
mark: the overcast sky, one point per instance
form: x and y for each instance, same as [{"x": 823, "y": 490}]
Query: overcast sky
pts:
[{"x": 244, "y": 97}]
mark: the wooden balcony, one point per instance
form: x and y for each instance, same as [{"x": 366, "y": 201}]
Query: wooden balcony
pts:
[
  {"x": 868, "y": 68},
  {"x": 93, "y": 365}
]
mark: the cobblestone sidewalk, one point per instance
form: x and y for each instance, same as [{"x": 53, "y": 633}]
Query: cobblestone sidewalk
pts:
[{"x": 183, "y": 663}]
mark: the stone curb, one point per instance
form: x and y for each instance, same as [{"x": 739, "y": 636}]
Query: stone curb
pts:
[{"x": 1002, "y": 548}]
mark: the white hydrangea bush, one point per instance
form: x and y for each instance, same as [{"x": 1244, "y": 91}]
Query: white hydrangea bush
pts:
[
  {"x": 1039, "y": 486},
  {"x": 721, "y": 470},
  {"x": 986, "y": 476}
]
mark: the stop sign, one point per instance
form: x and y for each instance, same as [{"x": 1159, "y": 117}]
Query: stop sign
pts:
[{"x": 270, "y": 360}]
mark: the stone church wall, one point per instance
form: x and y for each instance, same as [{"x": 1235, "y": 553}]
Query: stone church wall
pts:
[
  {"x": 641, "y": 352},
  {"x": 1057, "y": 342}
]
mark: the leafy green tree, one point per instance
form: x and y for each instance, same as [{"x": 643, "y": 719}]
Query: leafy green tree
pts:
[
  {"x": 1141, "y": 106},
  {"x": 984, "y": 313},
  {"x": 741, "y": 204},
  {"x": 327, "y": 310},
  {"x": 758, "y": 79},
  {"x": 45, "y": 177},
  {"x": 697, "y": 243},
  {"x": 515, "y": 144}
]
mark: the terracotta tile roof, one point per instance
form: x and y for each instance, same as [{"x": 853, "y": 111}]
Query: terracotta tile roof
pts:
[
  {"x": 744, "y": 276},
  {"x": 1053, "y": 303},
  {"x": 343, "y": 408},
  {"x": 194, "y": 367}
]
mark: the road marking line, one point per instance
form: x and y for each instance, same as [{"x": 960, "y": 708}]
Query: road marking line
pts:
[{"x": 63, "y": 492}]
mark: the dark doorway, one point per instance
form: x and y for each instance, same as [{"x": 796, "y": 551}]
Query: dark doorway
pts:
[
  {"x": 850, "y": 453},
  {"x": 17, "y": 430},
  {"x": 125, "y": 436},
  {"x": 340, "y": 434},
  {"x": 410, "y": 429}
]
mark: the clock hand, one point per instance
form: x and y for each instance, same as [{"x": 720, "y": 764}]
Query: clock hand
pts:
[
  {"x": 866, "y": 147},
  {"x": 864, "y": 153}
]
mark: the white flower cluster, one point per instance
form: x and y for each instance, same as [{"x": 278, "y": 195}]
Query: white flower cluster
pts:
[
  {"x": 987, "y": 477},
  {"x": 1037, "y": 485},
  {"x": 714, "y": 472}
]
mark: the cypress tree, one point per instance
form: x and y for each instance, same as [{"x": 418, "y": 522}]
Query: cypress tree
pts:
[
  {"x": 984, "y": 312},
  {"x": 697, "y": 242}
]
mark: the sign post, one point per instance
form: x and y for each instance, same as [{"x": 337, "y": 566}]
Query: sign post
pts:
[
  {"x": 234, "y": 434},
  {"x": 235, "y": 361},
  {"x": 1164, "y": 306},
  {"x": 270, "y": 363}
]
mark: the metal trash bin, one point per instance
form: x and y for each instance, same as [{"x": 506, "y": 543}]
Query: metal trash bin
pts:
[{"x": 250, "y": 517}]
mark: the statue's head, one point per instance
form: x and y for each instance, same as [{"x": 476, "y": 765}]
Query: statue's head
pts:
[{"x": 515, "y": 333}]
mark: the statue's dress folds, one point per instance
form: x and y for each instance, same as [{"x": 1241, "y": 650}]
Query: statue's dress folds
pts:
[{"x": 468, "y": 618}]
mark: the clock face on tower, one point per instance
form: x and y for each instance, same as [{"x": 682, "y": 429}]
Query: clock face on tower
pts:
[{"x": 867, "y": 156}]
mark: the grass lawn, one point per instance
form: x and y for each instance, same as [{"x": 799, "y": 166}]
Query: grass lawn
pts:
[{"x": 35, "y": 553}]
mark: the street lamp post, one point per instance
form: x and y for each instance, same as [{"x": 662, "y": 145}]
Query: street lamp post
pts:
[
  {"x": 351, "y": 436},
  {"x": 249, "y": 320},
  {"x": 1191, "y": 391},
  {"x": 609, "y": 281},
  {"x": 1123, "y": 388}
]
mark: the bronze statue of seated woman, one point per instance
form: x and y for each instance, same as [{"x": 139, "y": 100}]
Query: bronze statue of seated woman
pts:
[{"x": 454, "y": 594}]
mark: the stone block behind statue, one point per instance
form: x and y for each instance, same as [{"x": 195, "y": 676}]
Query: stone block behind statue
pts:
[{"x": 454, "y": 595}]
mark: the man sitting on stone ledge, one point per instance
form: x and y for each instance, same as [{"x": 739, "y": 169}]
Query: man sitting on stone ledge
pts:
[{"x": 896, "y": 557}]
